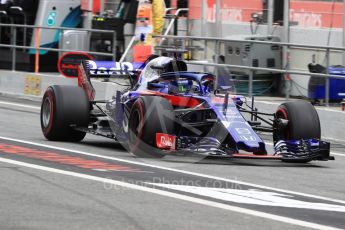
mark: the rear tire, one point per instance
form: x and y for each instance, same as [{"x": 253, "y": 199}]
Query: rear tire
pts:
[
  {"x": 64, "y": 107},
  {"x": 149, "y": 115}
]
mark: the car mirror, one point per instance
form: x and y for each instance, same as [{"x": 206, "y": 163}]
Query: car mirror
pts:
[
  {"x": 152, "y": 85},
  {"x": 158, "y": 67},
  {"x": 223, "y": 89}
]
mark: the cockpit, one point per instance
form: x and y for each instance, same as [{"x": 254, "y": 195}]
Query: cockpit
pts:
[
  {"x": 167, "y": 75},
  {"x": 156, "y": 67}
]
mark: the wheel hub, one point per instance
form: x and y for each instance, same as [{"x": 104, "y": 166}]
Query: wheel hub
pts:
[{"x": 46, "y": 112}]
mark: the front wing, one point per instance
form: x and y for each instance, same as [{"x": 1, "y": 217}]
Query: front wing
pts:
[{"x": 288, "y": 151}]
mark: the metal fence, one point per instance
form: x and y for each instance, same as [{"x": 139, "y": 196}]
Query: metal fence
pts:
[
  {"x": 13, "y": 43},
  {"x": 219, "y": 44}
]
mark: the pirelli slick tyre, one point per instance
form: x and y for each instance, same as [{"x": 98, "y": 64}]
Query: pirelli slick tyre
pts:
[
  {"x": 303, "y": 123},
  {"x": 64, "y": 107},
  {"x": 149, "y": 115},
  {"x": 303, "y": 120}
]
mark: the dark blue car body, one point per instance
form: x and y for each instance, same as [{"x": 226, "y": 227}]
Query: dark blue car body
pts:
[{"x": 224, "y": 128}]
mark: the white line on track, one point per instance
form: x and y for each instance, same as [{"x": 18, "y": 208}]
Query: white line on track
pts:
[
  {"x": 175, "y": 170},
  {"x": 338, "y": 154},
  {"x": 20, "y": 105},
  {"x": 175, "y": 195}
]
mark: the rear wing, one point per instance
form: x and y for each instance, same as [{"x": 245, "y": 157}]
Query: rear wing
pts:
[
  {"x": 111, "y": 69},
  {"x": 89, "y": 69}
]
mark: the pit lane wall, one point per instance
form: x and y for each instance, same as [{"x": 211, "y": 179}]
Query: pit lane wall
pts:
[
  {"x": 32, "y": 86},
  {"x": 332, "y": 118}
]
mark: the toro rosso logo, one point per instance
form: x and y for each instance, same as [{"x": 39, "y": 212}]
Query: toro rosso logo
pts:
[{"x": 112, "y": 68}]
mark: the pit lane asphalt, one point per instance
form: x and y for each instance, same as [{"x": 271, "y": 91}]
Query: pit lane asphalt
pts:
[{"x": 44, "y": 200}]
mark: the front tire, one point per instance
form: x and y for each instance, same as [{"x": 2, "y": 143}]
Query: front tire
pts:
[
  {"x": 149, "y": 115},
  {"x": 64, "y": 107},
  {"x": 303, "y": 121}
]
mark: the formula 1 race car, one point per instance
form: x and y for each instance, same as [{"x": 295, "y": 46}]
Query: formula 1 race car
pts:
[{"x": 167, "y": 110}]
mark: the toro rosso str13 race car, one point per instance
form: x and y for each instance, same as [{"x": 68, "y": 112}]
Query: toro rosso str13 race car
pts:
[{"x": 166, "y": 110}]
